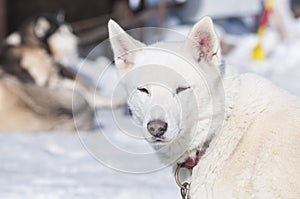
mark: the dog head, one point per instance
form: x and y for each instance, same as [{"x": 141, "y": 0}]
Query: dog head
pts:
[
  {"x": 171, "y": 86},
  {"x": 51, "y": 32}
]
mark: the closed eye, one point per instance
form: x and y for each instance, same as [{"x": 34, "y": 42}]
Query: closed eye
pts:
[
  {"x": 180, "y": 89},
  {"x": 143, "y": 90}
]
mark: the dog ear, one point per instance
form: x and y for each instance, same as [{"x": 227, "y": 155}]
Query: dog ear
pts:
[
  {"x": 204, "y": 43},
  {"x": 123, "y": 46},
  {"x": 60, "y": 16},
  {"x": 42, "y": 26}
]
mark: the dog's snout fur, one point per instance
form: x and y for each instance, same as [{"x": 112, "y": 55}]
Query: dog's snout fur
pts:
[{"x": 157, "y": 128}]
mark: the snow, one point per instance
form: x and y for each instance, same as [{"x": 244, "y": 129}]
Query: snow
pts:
[
  {"x": 55, "y": 165},
  {"x": 92, "y": 165},
  {"x": 282, "y": 65}
]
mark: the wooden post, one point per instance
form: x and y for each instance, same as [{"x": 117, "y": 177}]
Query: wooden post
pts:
[
  {"x": 3, "y": 21},
  {"x": 162, "y": 9}
]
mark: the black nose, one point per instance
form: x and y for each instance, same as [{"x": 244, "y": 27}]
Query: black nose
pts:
[{"x": 157, "y": 128}]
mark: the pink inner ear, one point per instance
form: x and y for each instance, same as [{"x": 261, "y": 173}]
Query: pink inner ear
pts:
[{"x": 204, "y": 44}]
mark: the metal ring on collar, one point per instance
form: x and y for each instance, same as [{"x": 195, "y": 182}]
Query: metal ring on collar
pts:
[{"x": 177, "y": 177}]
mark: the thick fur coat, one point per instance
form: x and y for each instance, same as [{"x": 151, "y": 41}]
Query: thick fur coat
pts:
[{"x": 257, "y": 152}]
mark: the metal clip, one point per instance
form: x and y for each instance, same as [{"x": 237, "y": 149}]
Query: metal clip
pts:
[
  {"x": 185, "y": 187},
  {"x": 185, "y": 193}
]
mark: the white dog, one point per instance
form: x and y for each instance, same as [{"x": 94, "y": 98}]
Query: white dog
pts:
[{"x": 244, "y": 130}]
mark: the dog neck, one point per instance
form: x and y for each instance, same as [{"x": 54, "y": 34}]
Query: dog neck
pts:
[
  {"x": 194, "y": 157},
  {"x": 190, "y": 163},
  {"x": 230, "y": 87}
]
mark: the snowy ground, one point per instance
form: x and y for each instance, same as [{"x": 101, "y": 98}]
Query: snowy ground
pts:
[{"x": 58, "y": 165}]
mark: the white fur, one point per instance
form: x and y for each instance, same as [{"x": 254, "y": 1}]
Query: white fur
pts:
[
  {"x": 42, "y": 26},
  {"x": 14, "y": 39},
  {"x": 64, "y": 46},
  {"x": 254, "y": 127}
]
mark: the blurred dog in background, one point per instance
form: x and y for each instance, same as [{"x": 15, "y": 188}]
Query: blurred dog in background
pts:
[{"x": 36, "y": 87}]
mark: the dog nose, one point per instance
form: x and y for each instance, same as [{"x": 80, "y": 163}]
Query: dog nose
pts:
[{"x": 157, "y": 128}]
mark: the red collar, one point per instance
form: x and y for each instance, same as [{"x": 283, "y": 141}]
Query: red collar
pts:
[{"x": 192, "y": 162}]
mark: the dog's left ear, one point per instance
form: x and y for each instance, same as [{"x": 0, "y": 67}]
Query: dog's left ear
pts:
[{"x": 204, "y": 43}]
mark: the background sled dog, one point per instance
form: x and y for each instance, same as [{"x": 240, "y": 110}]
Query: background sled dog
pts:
[
  {"x": 37, "y": 84},
  {"x": 245, "y": 130}
]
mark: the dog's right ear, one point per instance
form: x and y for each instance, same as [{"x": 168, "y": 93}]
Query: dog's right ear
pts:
[{"x": 123, "y": 45}]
